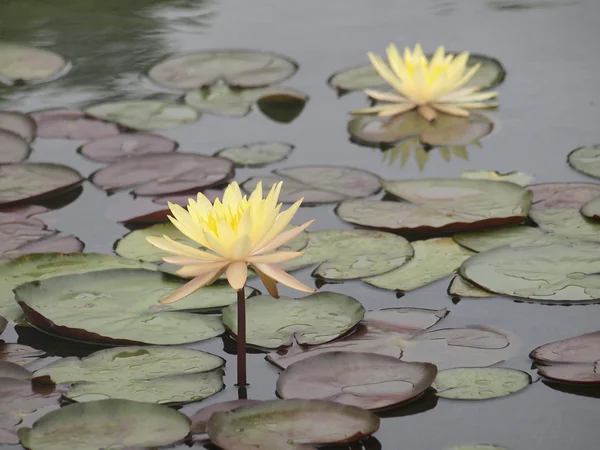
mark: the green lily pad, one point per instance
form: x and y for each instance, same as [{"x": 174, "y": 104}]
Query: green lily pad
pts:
[
  {"x": 586, "y": 160},
  {"x": 311, "y": 320},
  {"x": 562, "y": 195},
  {"x": 351, "y": 254},
  {"x": 121, "y": 307},
  {"x": 30, "y": 181},
  {"x": 557, "y": 272},
  {"x": 568, "y": 223},
  {"x": 482, "y": 241},
  {"x": 146, "y": 115},
  {"x": 366, "y": 380},
  {"x": 18, "y": 123},
  {"x": 3, "y": 324},
  {"x": 292, "y": 424},
  {"x": 106, "y": 424},
  {"x": 434, "y": 259},
  {"x": 23, "y": 64},
  {"x": 202, "y": 416},
  {"x": 46, "y": 265},
  {"x": 591, "y": 210},
  {"x": 318, "y": 184},
  {"x": 239, "y": 68},
  {"x": 437, "y": 204},
  {"x": 490, "y": 74},
  {"x": 19, "y": 354},
  {"x": 478, "y": 383},
  {"x": 520, "y": 178},
  {"x": 256, "y": 155},
  {"x": 460, "y": 287}
]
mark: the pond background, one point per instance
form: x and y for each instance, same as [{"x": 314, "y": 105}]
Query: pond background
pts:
[{"x": 549, "y": 105}]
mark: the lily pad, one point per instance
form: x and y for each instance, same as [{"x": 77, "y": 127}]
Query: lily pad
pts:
[
  {"x": 30, "y": 181},
  {"x": 256, "y": 155},
  {"x": 460, "y": 287},
  {"x": 13, "y": 148},
  {"x": 201, "y": 417},
  {"x": 121, "y": 307},
  {"x": 145, "y": 115},
  {"x": 46, "y": 265},
  {"x": 19, "y": 354},
  {"x": 238, "y": 68},
  {"x": 490, "y": 74},
  {"x": 293, "y": 424},
  {"x": 23, "y": 64},
  {"x": 562, "y": 195},
  {"x": 3, "y": 324},
  {"x": 54, "y": 242},
  {"x": 114, "y": 148},
  {"x": 366, "y": 380},
  {"x": 70, "y": 124},
  {"x": 106, "y": 424},
  {"x": 446, "y": 130},
  {"x": 441, "y": 205},
  {"x": 478, "y": 383},
  {"x": 584, "y": 374},
  {"x": 520, "y": 178},
  {"x": 586, "y": 160},
  {"x": 311, "y": 320},
  {"x": 579, "y": 349},
  {"x": 557, "y": 272},
  {"x": 519, "y": 235},
  {"x": 13, "y": 371},
  {"x": 591, "y": 210},
  {"x": 319, "y": 184},
  {"x": 157, "y": 174},
  {"x": 568, "y": 223},
  {"x": 434, "y": 259},
  {"x": 18, "y": 123}
]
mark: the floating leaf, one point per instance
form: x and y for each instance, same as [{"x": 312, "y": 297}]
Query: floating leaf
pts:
[
  {"x": 520, "y": 178},
  {"x": 568, "y": 223},
  {"x": 18, "y": 123},
  {"x": 434, "y": 259},
  {"x": 585, "y": 374},
  {"x": 46, "y": 265},
  {"x": 13, "y": 371},
  {"x": 13, "y": 148},
  {"x": 586, "y": 160},
  {"x": 114, "y": 148},
  {"x": 563, "y": 272},
  {"x": 446, "y": 130},
  {"x": 201, "y": 417},
  {"x": 319, "y": 184},
  {"x": 460, "y": 287},
  {"x": 367, "y": 380},
  {"x": 30, "y": 181},
  {"x": 70, "y": 124},
  {"x": 292, "y": 424},
  {"x": 519, "y": 235},
  {"x": 591, "y": 210},
  {"x": 145, "y": 115},
  {"x": 52, "y": 243},
  {"x": 478, "y": 383},
  {"x": 259, "y": 154},
  {"x": 238, "y": 68},
  {"x": 106, "y": 424},
  {"x": 169, "y": 173},
  {"x": 23, "y": 64},
  {"x": 121, "y": 307},
  {"x": 562, "y": 195},
  {"x": 3, "y": 324},
  {"x": 311, "y": 320},
  {"x": 19, "y": 354},
  {"x": 579, "y": 349},
  {"x": 490, "y": 74}
]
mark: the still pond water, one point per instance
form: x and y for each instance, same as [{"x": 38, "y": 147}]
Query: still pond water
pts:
[{"x": 550, "y": 104}]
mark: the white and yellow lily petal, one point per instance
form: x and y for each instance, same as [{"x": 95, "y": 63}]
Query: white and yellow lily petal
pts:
[
  {"x": 430, "y": 86},
  {"x": 236, "y": 232}
]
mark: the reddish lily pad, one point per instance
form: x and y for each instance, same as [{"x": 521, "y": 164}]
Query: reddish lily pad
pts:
[
  {"x": 24, "y": 64},
  {"x": 367, "y": 380},
  {"x": 319, "y": 184},
  {"x": 201, "y": 417},
  {"x": 585, "y": 374},
  {"x": 54, "y": 243},
  {"x": 19, "y": 354},
  {"x": 238, "y": 68},
  {"x": 30, "y": 181},
  {"x": 114, "y": 148},
  {"x": 160, "y": 174},
  {"x": 579, "y": 349},
  {"x": 293, "y": 424},
  {"x": 70, "y": 124},
  {"x": 13, "y": 148},
  {"x": 18, "y": 123},
  {"x": 562, "y": 195}
]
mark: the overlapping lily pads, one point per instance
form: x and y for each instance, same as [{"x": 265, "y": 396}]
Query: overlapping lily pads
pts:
[
  {"x": 106, "y": 424},
  {"x": 591, "y": 210},
  {"x": 18, "y": 123},
  {"x": 567, "y": 223},
  {"x": 71, "y": 124},
  {"x": 482, "y": 241},
  {"x": 237, "y": 68},
  {"x": 114, "y": 148},
  {"x": 14, "y": 149},
  {"x": 441, "y": 205},
  {"x": 121, "y": 307},
  {"x": 22, "y": 64},
  {"x": 367, "y": 380},
  {"x": 159, "y": 174},
  {"x": 202, "y": 416},
  {"x": 293, "y": 424},
  {"x": 29, "y": 181},
  {"x": 433, "y": 259},
  {"x": 554, "y": 272},
  {"x": 520, "y": 178},
  {"x": 258, "y": 154},
  {"x": 146, "y": 115},
  {"x": 562, "y": 195},
  {"x": 319, "y": 184},
  {"x": 480, "y": 383},
  {"x": 18, "y": 354},
  {"x": 164, "y": 375},
  {"x": 315, "y": 319},
  {"x": 586, "y": 160},
  {"x": 459, "y": 287}
]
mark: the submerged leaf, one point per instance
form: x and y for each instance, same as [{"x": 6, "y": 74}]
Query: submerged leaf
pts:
[
  {"x": 477, "y": 383},
  {"x": 586, "y": 160},
  {"x": 258, "y": 154}
]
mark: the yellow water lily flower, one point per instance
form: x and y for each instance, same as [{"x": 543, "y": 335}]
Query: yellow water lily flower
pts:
[
  {"x": 237, "y": 232},
  {"x": 427, "y": 85}
]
